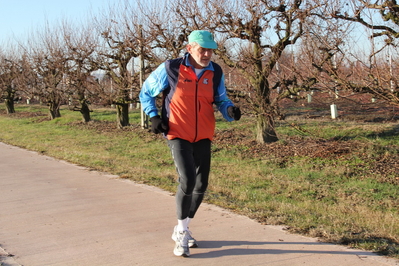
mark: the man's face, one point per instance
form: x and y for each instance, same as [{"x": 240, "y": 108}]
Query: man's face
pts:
[{"x": 200, "y": 57}]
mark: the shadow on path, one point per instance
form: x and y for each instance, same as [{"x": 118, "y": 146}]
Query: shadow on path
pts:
[{"x": 244, "y": 248}]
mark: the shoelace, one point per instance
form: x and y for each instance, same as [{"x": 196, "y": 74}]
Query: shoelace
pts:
[{"x": 183, "y": 237}]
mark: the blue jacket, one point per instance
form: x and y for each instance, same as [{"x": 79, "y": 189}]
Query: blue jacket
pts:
[{"x": 188, "y": 100}]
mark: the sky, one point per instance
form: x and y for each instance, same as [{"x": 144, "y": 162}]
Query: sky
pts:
[{"x": 20, "y": 17}]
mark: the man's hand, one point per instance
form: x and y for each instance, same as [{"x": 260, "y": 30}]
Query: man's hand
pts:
[
  {"x": 157, "y": 126},
  {"x": 234, "y": 112}
]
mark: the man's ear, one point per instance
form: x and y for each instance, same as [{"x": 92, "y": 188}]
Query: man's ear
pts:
[{"x": 188, "y": 47}]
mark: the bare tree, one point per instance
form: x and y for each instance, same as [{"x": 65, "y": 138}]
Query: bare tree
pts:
[
  {"x": 167, "y": 33},
  {"x": 326, "y": 52},
  {"x": 253, "y": 36},
  {"x": 81, "y": 46},
  {"x": 382, "y": 19},
  {"x": 49, "y": 63},
  {"x": 9, "y": 73},
  {"x": 121, "y": 30}
]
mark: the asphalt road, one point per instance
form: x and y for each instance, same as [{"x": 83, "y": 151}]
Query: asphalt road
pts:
[{"x": 56, "y": 213}]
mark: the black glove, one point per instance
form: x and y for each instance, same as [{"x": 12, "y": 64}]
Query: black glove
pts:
[
  {"x": 234, "y": 112},
  {"x": 157, "y": 125}
]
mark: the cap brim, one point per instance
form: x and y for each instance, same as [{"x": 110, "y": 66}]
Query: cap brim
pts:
[{"x": 208, "y": 45}]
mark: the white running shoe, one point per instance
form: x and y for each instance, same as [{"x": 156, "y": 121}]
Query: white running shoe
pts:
[
  {"x": 192, "y": 243},
  {"x": 181, "y": 246}
]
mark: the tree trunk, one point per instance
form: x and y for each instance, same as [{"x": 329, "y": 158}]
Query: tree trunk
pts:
[
  {"x": 85, "y": 111},
  {"x": 9, "y": 100},
  {"x": 54, "y": 110},
  {"x": 9, "y": 103},
  {"x": 122, "y": 110},
  {"x": 265, "y": 131}
]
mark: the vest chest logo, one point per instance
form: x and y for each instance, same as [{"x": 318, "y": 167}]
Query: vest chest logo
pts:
[{"x": 206, "y": 81}]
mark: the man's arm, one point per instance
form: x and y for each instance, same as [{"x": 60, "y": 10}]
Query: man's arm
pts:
[
  {"x": 153, "y": 85},
  {"x": 222, "y": 101}
]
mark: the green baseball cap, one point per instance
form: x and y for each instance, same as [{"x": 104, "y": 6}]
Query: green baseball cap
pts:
[{"x": 203, "y": 38}]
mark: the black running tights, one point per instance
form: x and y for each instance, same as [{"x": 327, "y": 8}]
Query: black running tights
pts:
[{"x": 192, "y": 161}]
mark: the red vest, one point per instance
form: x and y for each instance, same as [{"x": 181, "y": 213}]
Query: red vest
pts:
[{"x": 191, "y": 115}]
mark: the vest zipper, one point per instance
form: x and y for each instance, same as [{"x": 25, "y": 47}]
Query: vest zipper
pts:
[{"x": 196, "y": 110}]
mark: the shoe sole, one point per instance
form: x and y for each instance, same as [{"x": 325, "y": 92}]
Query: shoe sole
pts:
[
  {"x": 193, "y": 245},
  {"x": 185, "y": 255}
]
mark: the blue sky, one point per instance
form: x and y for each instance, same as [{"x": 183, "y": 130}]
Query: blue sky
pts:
[{"x": 20, "y": 17}]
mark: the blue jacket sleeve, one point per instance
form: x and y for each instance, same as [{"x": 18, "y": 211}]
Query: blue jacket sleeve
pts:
[
  {"x": 153, "y": 85},
  {"x": 222, "y": 101}
]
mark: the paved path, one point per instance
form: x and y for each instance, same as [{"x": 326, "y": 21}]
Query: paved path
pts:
[{"x": 56, "y": 213}]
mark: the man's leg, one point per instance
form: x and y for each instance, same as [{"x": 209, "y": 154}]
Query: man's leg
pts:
[
  {"x": 202, "y": 158},
  {"x": 182, "y": 153}
]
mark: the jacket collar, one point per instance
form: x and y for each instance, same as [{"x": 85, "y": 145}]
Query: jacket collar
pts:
[{"x": 187, "y": 63}]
